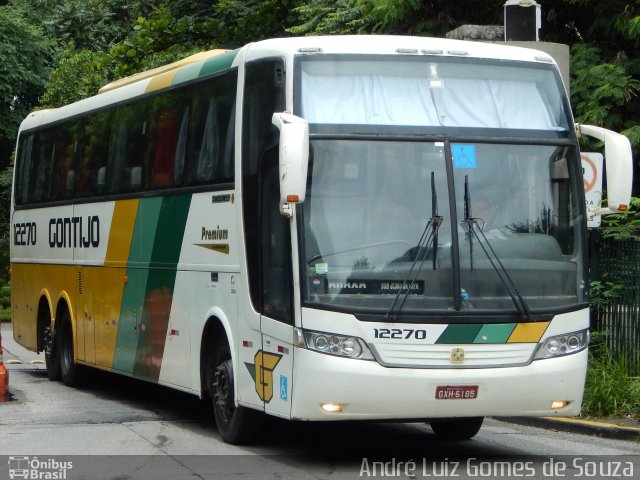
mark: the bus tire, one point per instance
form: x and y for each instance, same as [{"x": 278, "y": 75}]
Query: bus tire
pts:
[
  {"x": 51, "y": 354},
  {"x": 234, "y": 422},
  {"x": 456, "y": 428},
  {"x": 69, "y": 369}
]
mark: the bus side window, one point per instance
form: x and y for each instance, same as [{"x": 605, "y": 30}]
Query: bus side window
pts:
[
  {"x": 64, "y": 150},
  {"x": 210, "y": 153},
  {"x": 167, "y": 137},
  {"x": 24, "y": 168},
  {"x": 127, "y": 148},
  {"x": 92, "y": 176},
  {"x": 42, "y": 173}
]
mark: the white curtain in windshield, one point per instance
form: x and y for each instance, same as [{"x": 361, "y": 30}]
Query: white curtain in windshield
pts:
[{"x": 372, "y": 99}]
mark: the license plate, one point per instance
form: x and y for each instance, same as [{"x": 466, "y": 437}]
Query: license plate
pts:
[{"x": 456, "y": 392}]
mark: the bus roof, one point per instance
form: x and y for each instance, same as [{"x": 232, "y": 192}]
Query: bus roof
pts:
[
  {"x": 163, "y": 71},
  {"x": 212, "y": 61}
]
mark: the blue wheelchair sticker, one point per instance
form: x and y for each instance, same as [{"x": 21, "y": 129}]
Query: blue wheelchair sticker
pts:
[
  {"x": 283, "y": 388},
  {"x": 464, "y": 155}
]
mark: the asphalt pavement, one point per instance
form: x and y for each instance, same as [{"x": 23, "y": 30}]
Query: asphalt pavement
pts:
[{"x": 17, "y": 357}]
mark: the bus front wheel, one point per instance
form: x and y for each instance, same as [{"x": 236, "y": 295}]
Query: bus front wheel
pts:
[
  {"x": 456, "y": 428},
  {"x": 234, "y": 422}
]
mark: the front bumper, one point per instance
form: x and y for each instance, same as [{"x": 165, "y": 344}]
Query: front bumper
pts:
[{"x": 369, "y": 391}]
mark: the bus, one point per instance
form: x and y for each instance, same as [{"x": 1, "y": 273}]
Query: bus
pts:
[{"x": 320, "y": 229}]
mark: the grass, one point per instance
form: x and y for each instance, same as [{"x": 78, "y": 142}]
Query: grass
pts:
[
  {"x": 611, "y": 389},
  {"x": 5, "y": 314}
]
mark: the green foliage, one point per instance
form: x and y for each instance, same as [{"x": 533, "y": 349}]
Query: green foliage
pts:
[
  {"x": 159, "y": 34},
  {"x": 623, "y": 225},
  {"x": 406, "y": 17},
  {"x": 603, "y": 293},
  {"x": 79, "y": 74},
  {"x": 610, "y": 388},
  {"x": 236, "y": 22},
  {"x": 25, "y": 56},
  {"x": 322, "y": 17},
  {"x": 5, "y": 297},
  {"x": 95, "y": 24},
  {"x": 5, "y": 192},
  {"x": 598, "y": 90}
]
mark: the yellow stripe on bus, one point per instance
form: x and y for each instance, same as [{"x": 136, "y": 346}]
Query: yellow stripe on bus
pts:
[
  {"x": 528, "y": 332},
  {"x": 124, "y": 219},
  {"x": 161, "y": 81}
]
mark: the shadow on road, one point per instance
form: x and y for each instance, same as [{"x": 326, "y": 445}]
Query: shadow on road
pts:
[{"x": 344, "y": 439}]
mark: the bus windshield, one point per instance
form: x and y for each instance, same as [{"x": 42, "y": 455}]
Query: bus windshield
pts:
[
  {"x": 369, "y": 203},
  {"x": 478, "y": 148},
  {"x": 424, "y": 91}
]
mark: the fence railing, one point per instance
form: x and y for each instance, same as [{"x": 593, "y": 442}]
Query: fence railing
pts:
[{"x": 615, "y": 266}]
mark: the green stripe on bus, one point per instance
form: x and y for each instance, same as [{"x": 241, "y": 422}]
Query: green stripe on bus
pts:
[
  {"x": 170, "y": 231},
  {"x": 218, "y": 63},
  {"x": 144, "y": 232},
  {"x": 495, "y": 333},
  {"x": 188, "y": 73},
  {"x": 148, "y": 294},
  {"x": 131, "y": 310},
  {"x": 158, "y": 295},
  {"x": 458, "y": 334},
  {"x": 130, "y": 323}
]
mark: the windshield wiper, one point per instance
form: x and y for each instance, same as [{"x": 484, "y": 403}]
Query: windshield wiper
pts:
[
  {"x": 495, "y": 262},
  {"x": 429, "y": 238}
]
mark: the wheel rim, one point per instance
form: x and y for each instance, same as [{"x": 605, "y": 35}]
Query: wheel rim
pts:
[{"x": 223, "y": 391}]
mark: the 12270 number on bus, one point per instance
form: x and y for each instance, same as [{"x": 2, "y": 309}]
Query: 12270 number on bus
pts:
[{"x": 399, "y": 334}]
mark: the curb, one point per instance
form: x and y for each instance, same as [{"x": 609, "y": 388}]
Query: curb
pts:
[{"x": 579, "y": 425}]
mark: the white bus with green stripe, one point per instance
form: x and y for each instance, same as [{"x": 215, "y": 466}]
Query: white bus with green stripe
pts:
[{"x": 319, "y": 228}]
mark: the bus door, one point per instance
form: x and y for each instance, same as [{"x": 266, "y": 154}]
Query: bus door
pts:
[
  {"x": 276, "y": 322},
  {"x": 268, "y": 242}
]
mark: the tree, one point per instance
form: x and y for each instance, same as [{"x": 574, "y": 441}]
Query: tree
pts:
[
  {"x": 6, "y": 177},
  {"x": 604, "y": 37},
  {"x": 79, "y": 74},
  {"x": 171, "y": 31},
  {"x": 25, "y": 60}
]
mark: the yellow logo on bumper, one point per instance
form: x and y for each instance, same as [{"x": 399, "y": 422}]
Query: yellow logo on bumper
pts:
[{"x": 457, "y": 355}]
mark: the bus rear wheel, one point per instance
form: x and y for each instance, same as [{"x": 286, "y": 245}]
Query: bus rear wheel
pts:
[
  {"x": 234, "y": 422},
  {"x": 69, "y": 369},
  {"x": 457, "y": 428}
]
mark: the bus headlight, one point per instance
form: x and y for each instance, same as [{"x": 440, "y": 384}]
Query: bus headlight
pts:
[
  {"x": 561, "y": 345},
  {"x": 332, "y": 344}
]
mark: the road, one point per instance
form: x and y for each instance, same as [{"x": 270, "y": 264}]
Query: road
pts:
[{"x": 120, "y": 428}]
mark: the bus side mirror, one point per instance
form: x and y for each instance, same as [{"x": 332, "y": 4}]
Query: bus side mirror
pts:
[
  {"x": 618, "y": 165},
  {"x": 294, "y": 160}
]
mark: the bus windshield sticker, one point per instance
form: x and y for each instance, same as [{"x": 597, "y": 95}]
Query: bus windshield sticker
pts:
[
  {"x": 367, "y": 286},
  {"x": 464, "y": 155},
  {"x": 322, "y": 268}
]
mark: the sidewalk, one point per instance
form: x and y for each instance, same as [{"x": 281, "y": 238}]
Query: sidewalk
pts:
[
  {"x": 17, "y": 357},
  {"x": 620, "y": 429}
]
